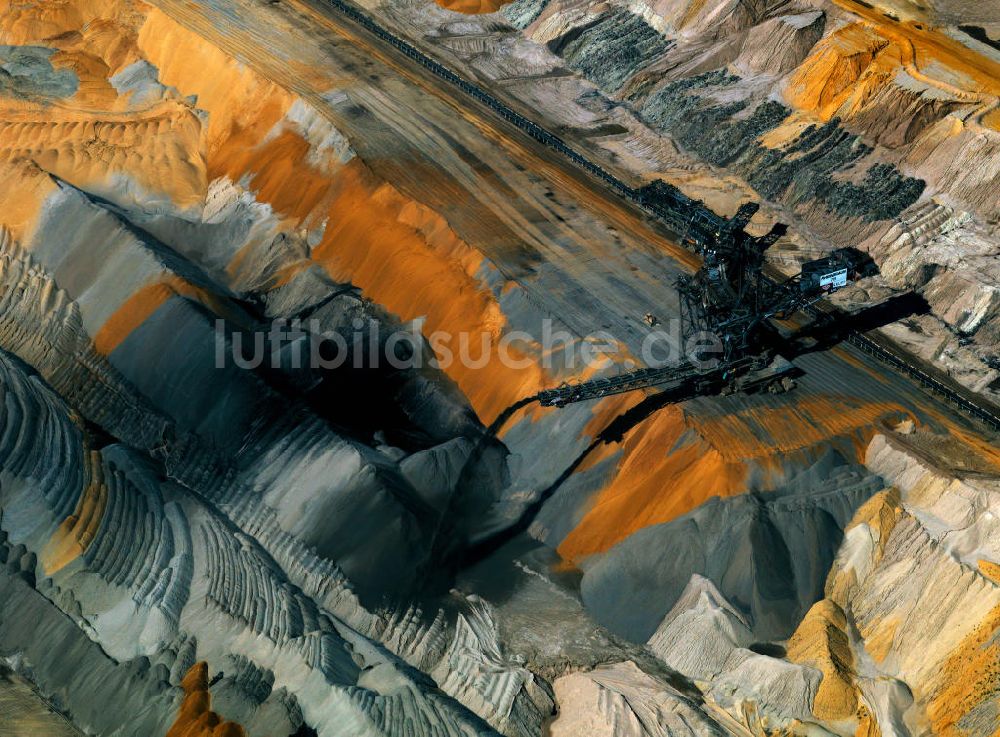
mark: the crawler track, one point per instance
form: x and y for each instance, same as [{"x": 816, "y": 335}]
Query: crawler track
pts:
[{"x": 959, "y": 398}]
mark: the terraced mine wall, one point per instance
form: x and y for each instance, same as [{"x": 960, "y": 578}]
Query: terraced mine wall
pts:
[
  {"x": 800, "y": 173},
  {"x": 611, "y": 48},
  {"x": 125, "y": 556},
  {"x": 522, "y": 13},
  {"x": 885, "y": 192},
  {"x": 70, "y": 670}
]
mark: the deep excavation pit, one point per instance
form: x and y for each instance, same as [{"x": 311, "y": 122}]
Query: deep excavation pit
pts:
[{"x": 200, "y": 535}]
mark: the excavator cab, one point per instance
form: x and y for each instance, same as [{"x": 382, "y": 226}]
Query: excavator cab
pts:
[{"x": 830, "y": 273}]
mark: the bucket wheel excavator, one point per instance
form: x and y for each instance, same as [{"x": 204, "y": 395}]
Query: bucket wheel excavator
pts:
[{"x": 728, "y": 306}]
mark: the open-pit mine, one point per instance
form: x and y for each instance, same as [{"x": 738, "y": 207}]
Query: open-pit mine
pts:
[{"x": 455, "y": 368}]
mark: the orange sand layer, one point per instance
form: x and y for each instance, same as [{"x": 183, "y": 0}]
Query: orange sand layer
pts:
[
  {"x": 23, "y": 189},
  {"x": 925, "y": 44},
  {"x": 95, "y": 134},
  {"x": 242, "y": 106},
  {"x": 158, "y": 148},
  {"x": 102, "y": 30},
  {"x": 992, "y": 119},
  {"x": 663, "y": 474},
  {"x": 195, "y": 717},
  {"x": 820, "y": 641},
  {"x": 982, "y": 449},
  {"x": 403, "y": 255},
  {"x": 472, "y": 7},
  {"x": 969, "y": 678},
  {"x": 843, "y": 71},
  {"x": 77, "y": 531},
  {"x": 654, "y": 483},
  {"x": 758, "y": 432},
  {"x": 847, "y": 69},
  {"x": 142, "y": 304}
]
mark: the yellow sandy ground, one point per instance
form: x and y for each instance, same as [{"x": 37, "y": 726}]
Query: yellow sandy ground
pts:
[
  {"x": 472, "y": 7},
  {"x": 195, "y": 717}
]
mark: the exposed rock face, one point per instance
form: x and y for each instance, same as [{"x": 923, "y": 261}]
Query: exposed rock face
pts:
[
  {"x": 733, "y": 674},
  {"x": 752, "y": 545},
  {"x": 700, "y": 615},
  {"x": 621, "y": 699},
  {"x": 781, "y": 44},
  {"x": 610, "y": 48},
  {"x": 919, "y": 536},
  {"x": 522, "y": 13},
  {"x": 951, "y": 259},
  {"x": 873, "y": 652}
]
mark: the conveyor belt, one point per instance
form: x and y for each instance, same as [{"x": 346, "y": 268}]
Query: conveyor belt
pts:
[
  {"x": 607, "y": 386},
  {"x": 685, "y": 381}
]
